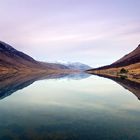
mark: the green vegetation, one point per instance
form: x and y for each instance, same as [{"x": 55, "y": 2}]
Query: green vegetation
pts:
[
  {"x": 123, "y": 71},
  {"x": 123, "y": 77}
]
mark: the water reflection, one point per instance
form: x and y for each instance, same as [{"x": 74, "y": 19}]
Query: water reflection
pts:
[
  {"x": 132, "y": 86},
  {"x": 12, "y": 83},
  {"x": 68, "y": 109}
]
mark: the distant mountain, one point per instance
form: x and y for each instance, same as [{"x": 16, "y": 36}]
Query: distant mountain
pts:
[
  {"x": 77, "y": 66},
  {"x": 54, "y": 65},
  {"x": 13, "y": 60}
]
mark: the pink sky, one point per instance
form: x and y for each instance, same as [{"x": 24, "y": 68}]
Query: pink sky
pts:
[{"x": 95, "y": 32}]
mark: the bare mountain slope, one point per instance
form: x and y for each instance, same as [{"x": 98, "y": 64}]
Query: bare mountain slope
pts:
[
  {"x": 14, "y": 60},
  {"x": 128, "y": 60},
  {"x": 130, "y": 63},
  {"x": 131, "y": 58}
]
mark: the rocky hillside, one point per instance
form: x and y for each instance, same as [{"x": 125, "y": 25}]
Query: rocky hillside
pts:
[
  {"x": 10, "y": 57},
  {"x": 12, "y": 60},
  {"x": 130, "y": 64},
  {"x": 129, "y": 59}
]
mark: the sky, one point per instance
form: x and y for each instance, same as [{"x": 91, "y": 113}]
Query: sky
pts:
[{"x": 94, "y": 32}]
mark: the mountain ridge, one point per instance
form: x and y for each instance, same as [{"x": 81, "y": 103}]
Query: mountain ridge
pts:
[
  {"x": 9, "y": 49},
  {"x": 130, "y": 58},
  {"x": 129, "y": 63},
  {"x": 76, "y": 66},
  {"x": 12, "y": 60}
]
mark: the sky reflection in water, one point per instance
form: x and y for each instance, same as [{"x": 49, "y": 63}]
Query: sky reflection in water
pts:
[{"x": 69, "y": 109}]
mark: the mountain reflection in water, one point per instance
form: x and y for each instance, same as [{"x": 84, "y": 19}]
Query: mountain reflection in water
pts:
[
  {"x": 14, "y": 82},
  {"x": 11, "y": 83},
  {"x": 129, "y": 85},
  {"x": 64, "y": 107}
]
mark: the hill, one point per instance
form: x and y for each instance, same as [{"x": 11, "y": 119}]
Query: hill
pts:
[
  {"x": 130, "y": 63},
  {"x": 12, "y": 60}
]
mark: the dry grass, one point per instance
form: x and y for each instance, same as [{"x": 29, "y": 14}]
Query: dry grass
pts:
[
  {"x": 133, "y": 72},
  {"x": 32, "y": 71}
]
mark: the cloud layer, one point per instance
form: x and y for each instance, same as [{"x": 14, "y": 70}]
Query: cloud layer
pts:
[{"x": 95, "y": 32}]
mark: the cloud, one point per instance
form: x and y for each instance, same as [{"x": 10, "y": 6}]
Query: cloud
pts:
[{"x": 72, "y": 29}]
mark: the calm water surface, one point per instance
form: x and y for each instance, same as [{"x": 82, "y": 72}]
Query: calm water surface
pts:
[{"x": 93, "y": 108}]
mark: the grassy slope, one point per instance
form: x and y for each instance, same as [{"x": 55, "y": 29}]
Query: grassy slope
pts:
[
  {"x": 133, "y": 72},
  {"x": 130, "y": 62},
  {"x": 13, "y": 61}
]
